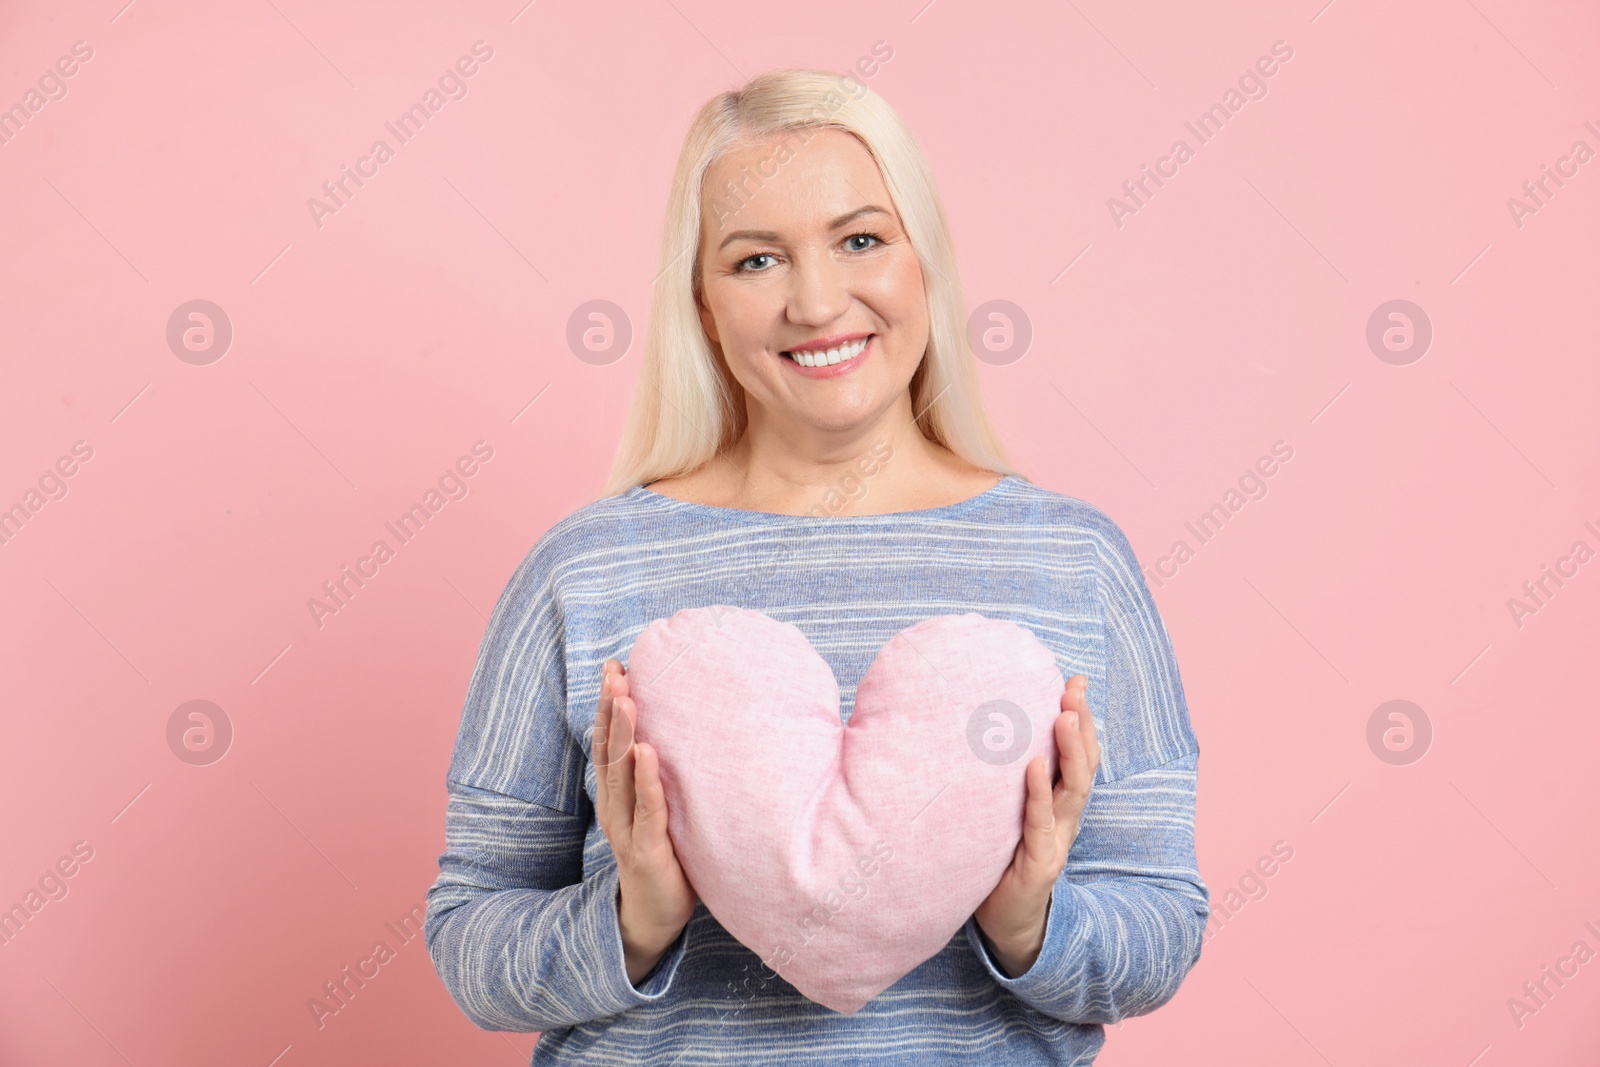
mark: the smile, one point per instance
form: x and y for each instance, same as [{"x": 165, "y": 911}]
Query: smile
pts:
[{"x": 829, "y": 357}]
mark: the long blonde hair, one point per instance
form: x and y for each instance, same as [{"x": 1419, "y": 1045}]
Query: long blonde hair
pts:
[{"x": 687, "y": 406}]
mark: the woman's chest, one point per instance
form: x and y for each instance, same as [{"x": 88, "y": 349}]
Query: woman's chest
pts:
[{"x": 848, "y": 597}]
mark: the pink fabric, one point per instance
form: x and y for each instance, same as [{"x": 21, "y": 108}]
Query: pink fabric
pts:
[{"x": 843, "y": 856}]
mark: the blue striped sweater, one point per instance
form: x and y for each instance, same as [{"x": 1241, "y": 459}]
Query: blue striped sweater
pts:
[{"x": 522, "y": 920}]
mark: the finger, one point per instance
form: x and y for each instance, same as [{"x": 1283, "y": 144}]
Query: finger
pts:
[
  {"x": 1075, "y": 696},
  {"x": 1072, "y": 791},
  {"x": 650, "y": 807},
  {"x": 619, "y": 728},
  {"x": 602, "y": 712},
  {"x": 620, "y": 769},
  {"x": 1074, "y": 699},
  {"x": 1039, "y": 817},
  {"x": 1091, "y": 741},
  {"x": 610, "y": 677},
  {"x": 598, "y": 738}
]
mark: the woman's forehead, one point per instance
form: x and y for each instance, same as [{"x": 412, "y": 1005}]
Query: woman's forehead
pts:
[{"x": 773, "y": 187}]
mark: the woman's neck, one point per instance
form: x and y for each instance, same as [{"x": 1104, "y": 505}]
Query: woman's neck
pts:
[{"x": 887, "y": 467}]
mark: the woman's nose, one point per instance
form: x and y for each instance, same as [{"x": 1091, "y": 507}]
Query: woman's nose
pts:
[{"x": 819, "y": 291}]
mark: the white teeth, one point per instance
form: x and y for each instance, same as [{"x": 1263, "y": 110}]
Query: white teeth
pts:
[{"x": 832, "y": 355}]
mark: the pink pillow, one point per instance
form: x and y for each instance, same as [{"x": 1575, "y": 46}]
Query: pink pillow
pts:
[{"x": 843, "y": 856}]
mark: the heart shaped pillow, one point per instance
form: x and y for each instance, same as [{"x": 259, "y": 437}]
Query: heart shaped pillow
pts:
[{"x": 843, "y": 855}]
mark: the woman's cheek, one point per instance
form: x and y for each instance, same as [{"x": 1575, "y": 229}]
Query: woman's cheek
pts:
[
  {"x": 740, "y": 324},
  {"x": 896, "y": 293}
]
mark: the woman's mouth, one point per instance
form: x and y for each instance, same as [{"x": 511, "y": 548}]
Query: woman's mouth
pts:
[{"x": 825, "y": 363}]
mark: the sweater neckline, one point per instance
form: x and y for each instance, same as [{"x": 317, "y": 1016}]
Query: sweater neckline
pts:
[{"x": 670, "y": 503}]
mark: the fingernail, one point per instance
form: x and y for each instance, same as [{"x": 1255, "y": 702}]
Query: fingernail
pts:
[{"x": 1072, "y": 719}]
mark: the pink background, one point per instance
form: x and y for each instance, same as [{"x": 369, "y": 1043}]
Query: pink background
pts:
[{"x": 1168, "y": 354}]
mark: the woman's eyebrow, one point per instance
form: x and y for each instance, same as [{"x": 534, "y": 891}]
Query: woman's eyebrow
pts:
[{"x": 767, "y": 235}]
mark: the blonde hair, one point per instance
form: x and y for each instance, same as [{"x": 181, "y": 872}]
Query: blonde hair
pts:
[{"x": 687, "y": 406}]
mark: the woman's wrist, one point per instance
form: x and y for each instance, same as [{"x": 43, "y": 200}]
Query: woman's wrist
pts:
[
  {"x": 1015, "y": 959},
  {"x": 1018, "y": 960},
  {"x": 642, "y": 947},
  {"x": 1015, "y": 951},
  {"x": 639, "y": 964}
]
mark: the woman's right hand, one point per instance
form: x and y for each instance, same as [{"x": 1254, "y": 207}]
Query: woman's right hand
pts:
[{"x": 654, "y": 898}]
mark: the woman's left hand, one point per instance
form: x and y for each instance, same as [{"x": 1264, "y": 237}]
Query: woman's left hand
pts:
[{"x": 1012, "y": 918}]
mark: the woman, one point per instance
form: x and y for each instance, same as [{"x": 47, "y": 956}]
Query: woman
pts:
[{"x": 807, "y": 440}]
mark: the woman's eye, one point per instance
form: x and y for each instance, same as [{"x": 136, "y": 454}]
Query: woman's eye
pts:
[{"x": 744, "y": 266}]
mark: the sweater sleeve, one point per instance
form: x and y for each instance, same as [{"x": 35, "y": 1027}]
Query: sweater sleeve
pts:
[
  {"x": 518, "y": 937},
  {"x": 523, "y": 936},
  {"x": 1126, "y": 917},
  {"x": 1127, "y": 913}
]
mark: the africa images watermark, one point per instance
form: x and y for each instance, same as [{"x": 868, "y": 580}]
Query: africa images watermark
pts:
[
  {"x": 1250, "y": 887},
  {"x": 731, "y": 198},
  {"x": 852, "y": 886},
  {"x": 338, "y": 992},
  {"x": 52, "y": 886},
  {"x": 1537, "y": 993},
  {"x": 51, "y": 86},
  {"x": 51, "y": 486},
  {"x": 1252, "y": 85},
  {"x": 452, "y": 485},
  {"x": 1537, "y": 593},
  {"x": 1252, "y": 485},
  {"x": 852, "y": 485},
  {"x": 1537, "y": 192},
  {"x": 452, "y": 85}
]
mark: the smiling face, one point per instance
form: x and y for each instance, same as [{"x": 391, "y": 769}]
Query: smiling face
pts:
[{"x": 811, "y": 288}]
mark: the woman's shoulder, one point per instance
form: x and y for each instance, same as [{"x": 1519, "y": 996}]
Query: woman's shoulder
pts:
[
  {"x": 1066, "y": 515},
  {"x": 597, "y": 518},
  {"x": 580, "y": 542},
  {"x": 594, "y": 526}
]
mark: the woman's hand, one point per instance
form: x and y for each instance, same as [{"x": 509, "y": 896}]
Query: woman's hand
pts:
[
  {"x": 654, "y": 898},
  {"x": 1012, "y": 919}
]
